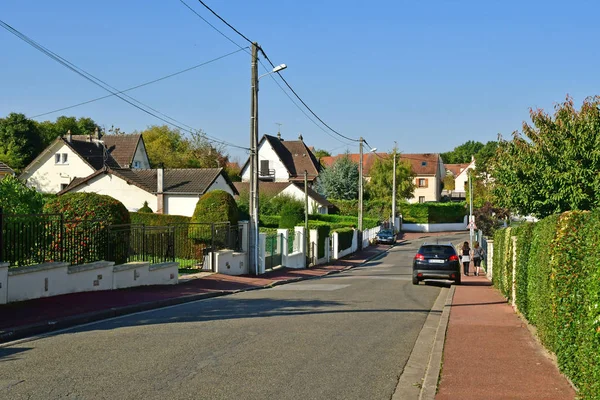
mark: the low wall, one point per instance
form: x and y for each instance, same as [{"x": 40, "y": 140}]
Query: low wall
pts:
[
  {"x": 229, "y": 262},
  {"x": 52, "y": 279},
  {"x": 460, "y": 226},
  {"x": 295, "y": 260}
]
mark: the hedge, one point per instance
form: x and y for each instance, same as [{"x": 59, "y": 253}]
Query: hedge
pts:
[
  {"x": 269, "y": 221},
  {"x": 157, "y": 219},
  {"x": 345, "y": 236},
  {"x": 558, "y": 289},
  {"x": 213, "y": 207},
  {"x": 323, "y": 230},
  {"x": 433, "y": 213}
]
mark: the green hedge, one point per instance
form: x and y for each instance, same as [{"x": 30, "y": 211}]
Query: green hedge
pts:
[
  {"x": 157, "y": 219},
  {"x": 433, "y": 213},
  {"x": 345, "y": 236},
  {"x": 558, "y": 289},
  {"x": 269, "y": 221}
]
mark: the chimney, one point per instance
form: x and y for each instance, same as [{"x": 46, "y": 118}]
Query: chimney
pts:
[
  {"x": 160, "y": 183},
  {"x": 300, "y": 137},
  {"x": 69, "y": 136},
  {"x": 279, "y": 136}
]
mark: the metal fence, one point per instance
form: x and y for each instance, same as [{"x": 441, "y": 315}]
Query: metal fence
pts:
[{"x": 39, "y": 238}]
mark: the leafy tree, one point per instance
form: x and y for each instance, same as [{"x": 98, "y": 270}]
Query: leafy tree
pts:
[
  {"x": 320, "y": 153},
  {"x": 463, "y": 153},
  {"x": 552, "y": 166},
  {"x": 20, "y": 140},
  {"x": 449, "y": 182},
  {"x": 382, "y": 178},
  {"x": 16, "y": 198},
  {"x": 483, "y": 157},
  {"x": 340, "y": 180},
  {"x": 292, "y": 213},
  {"x": 51, "y": 130},
  {"x": 488, "y": 217}
]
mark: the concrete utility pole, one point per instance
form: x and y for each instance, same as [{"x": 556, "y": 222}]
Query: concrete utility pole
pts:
[
  {"x": 306, "y": 235},
  {"x": 253, "y": 203},
  {"x": 394, "y": 190},
  {"x": 360, "y": 194},
  {"x": 471, "y": 218}
]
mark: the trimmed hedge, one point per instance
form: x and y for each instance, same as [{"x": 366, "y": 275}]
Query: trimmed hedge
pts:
[
  {"x": 558, "y": 289},
  {"x": 433, "y": 213},
  {"x": 157, "y": 219},
  {"x": 323, "y": 230},
  {"x": 78, "y": 206},
  {"x": 291, "y": 215},
  {"x": 213, "y": 207},
  {"x": 269, "y": 221},
  {"x": 345, "y": 236}
]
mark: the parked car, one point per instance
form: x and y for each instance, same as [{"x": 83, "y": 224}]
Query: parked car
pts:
[
  {"x": 436, "y": 261},
  {"x": 386, "y": 236}
]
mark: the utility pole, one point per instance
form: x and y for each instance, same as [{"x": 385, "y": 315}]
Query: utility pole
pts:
[
  {"x": 360, "y": 194},
  {"x": 471, "y": 218},
  {"x": 253, "y": 203},
  {"x": 394, "y": 190},
  {"x": 306, "y": 235}
]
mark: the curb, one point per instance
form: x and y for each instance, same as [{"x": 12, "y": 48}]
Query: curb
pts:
[{"x": 33, "y": 330}]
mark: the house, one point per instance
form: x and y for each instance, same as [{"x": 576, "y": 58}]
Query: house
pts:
[
  {"x": 317, "y": 204},
  {"x": 428, "y": 169},
  {"x": 78, "y": 156},
  {"x": 167, "y": 191},
  {"x": 460, "y": 172},
  {"x": 5, "y": 171},
  {"x": 282, "y": 160}
]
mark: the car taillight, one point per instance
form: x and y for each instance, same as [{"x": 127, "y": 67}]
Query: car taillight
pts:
[
  {"x": 420, "y": 257},
  {"x": 453, "y": 258}
]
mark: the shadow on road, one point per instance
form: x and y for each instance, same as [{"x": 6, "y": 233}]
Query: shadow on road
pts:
[{"x": 10, "y": 354}]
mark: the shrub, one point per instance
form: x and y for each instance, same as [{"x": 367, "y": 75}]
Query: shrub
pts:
[
  {"x": 145, "y": 208},
  {"x": 291, "y": 215},
  {"x": 345, "y": 236},
  {"x": 90, "y": 206},
  {"x": 140, "y": 218},
  {"x": 269, "y": 221},
  {"x": 16, "y": 198},
  {"x": 524, "y": 238},
  {"x": 213, "y": 207},
  {"x": 323, "y": 229}
]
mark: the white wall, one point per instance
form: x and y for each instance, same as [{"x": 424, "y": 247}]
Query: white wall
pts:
[
  {"x": 46, "y": 176},
  {"x": 266, "y": 152},
  {"x": 89, "y": 277},
  {"x": 141, "y": 156},
  {"x": 229, "y": 262},
  {"x": 42, "y": 280},
  {"x": 180, "y": 204},
  {"x": 3, "y": 283},
  {"x": 459, "y": 181},
  {"x": 220, "y": 184},
  {"x": 430, "y": 192},
  {"x": 434, "y": 227},
  {"x": 131, "y": 196},
  {"x": 142, "y": 274}
]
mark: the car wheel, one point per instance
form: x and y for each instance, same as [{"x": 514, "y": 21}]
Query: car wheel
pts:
[{"x": 415, "y": 280}]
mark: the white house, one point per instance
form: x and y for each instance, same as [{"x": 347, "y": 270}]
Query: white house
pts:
[
  {"x": 282, "y": 160},
  {"x": 460, "y": 172},
  {"x": 317, "y": 204},
  {"x": 168, "y": 191},
  {"x": 78, "y": 156}
]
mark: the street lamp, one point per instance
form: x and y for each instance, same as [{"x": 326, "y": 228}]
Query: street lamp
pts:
[
  {"x": 253, "y": 201},
  {"x": 394, "y": 189},
  {"x": 360, "y": 192}
]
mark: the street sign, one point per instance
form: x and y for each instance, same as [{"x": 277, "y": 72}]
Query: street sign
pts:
[{"x": 472, "y": 225}]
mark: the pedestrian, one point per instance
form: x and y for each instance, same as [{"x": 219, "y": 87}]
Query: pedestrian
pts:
[
  {"x": 466, "y": 257},
  {"x": 478, "y": 255}
]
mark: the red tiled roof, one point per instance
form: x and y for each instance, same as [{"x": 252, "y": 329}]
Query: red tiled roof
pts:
[
  {"x": 122, "y": 148},
  {"x": 422, "y": 164},
  {"x": 456, "y": 169}
]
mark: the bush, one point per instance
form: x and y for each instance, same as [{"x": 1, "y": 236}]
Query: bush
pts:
[
  {"x": 213, "y": 207},
  {"x": 145, "y": 208},
  {"x": 89, "y": 206},
  {"x": 139, "y": 218},
  {"x": 323, "y": 229},
  {"x": 291, "y": 215},
  {"x": 16, "y": 198},
  {"x": 345, "y": 236},
  {"x": 269, "y": 221}
]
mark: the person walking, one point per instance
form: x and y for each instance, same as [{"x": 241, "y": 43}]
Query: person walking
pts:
[
  {"x": 466, "y": 257},
  {"x": 478, "y": 255}
]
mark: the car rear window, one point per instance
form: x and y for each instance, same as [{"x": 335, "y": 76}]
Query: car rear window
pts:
[
  {"x": 385, "y": 232},
  {"x": 440, "y": 251}
]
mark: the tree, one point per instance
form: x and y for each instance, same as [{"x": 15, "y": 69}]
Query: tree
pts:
[
  {"x": 449, "y": 182},
  {"x": 382, "y": 178},
  {"x": 463, "y": 153},
  {"x": 20, "y": 140},
  {"x": 552, "y": 166},
  {"x": 340, "y": 180},
  {"x": 320, "y": 153},
  {"x": 51, "y": 130},
  {"x": 16, "y": 198}
]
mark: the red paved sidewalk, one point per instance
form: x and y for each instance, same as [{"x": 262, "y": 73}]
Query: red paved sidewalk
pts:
[
  {"x": 491, "y": 354},
  {"x": 39, "y": 315}
]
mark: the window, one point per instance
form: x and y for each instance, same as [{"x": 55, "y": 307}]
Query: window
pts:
[
  {"x": 61, "y": 158},
  {"x": 421, "y": 199},
  {"x": 63, "y": 186},
  {"x": 422, "y": 182},
  {"x": 423, "y": 163},
  {"x": 136, "y": 164}
]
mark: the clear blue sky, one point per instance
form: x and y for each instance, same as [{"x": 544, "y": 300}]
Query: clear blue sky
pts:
[{"x": 428, "y": 74}]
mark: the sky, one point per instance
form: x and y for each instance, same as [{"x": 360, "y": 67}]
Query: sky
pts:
[{"x": 429, "y": 75}]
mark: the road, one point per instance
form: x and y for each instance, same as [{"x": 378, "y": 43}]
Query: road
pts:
[{"x": 346, "y": 336}]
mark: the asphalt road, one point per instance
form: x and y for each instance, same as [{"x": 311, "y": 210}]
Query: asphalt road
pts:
[{"x": 346, "y": 336}]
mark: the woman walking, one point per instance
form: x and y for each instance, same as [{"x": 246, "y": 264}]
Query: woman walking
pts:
[
  {"x": 478, "y": 255},
  {"x": 466, "y": 257}
]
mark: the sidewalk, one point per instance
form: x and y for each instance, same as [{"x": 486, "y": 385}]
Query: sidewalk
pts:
[
  {"x": 27, "y": 318},
  {"x": 491, "y": 354}
]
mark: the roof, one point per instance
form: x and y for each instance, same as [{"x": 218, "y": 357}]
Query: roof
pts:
[
  {"x": 122, "y": 147},
  {"x": 6, "y": 169},
  {"x": 176, "y": 181},
  {"x": 295, "y": 156},
  {"x": 456, "y": 169},
  {"x": 93, "y": 153},
  {"x": 421, "y": 164},
  {"x": 274, "y": 188}
]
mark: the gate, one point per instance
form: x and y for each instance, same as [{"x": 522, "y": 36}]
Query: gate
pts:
[{"x": 273, "y": 248}]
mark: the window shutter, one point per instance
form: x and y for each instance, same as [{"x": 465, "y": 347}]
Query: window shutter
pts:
[{"x": 426, "y": 182}]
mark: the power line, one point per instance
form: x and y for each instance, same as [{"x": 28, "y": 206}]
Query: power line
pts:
[
  {"x": 140, "y": 85},
  {"x": 261, "y": 63},
  {"x": 98, "y": 82},
  {"x": 273, "y": 65}
]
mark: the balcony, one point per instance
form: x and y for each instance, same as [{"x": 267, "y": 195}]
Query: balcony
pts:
[{"x": 266, "y": 174}]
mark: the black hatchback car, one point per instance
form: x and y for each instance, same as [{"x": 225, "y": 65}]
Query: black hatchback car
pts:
[{"x": 436, "y": 261}]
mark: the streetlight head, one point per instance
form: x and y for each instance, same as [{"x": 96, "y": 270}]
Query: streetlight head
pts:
[
  {"x": 279, "y": 67},
  {"x": 374, "y": 149}
]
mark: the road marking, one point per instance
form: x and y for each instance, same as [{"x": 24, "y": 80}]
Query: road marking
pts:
[{"x": 316, "y": 286}]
